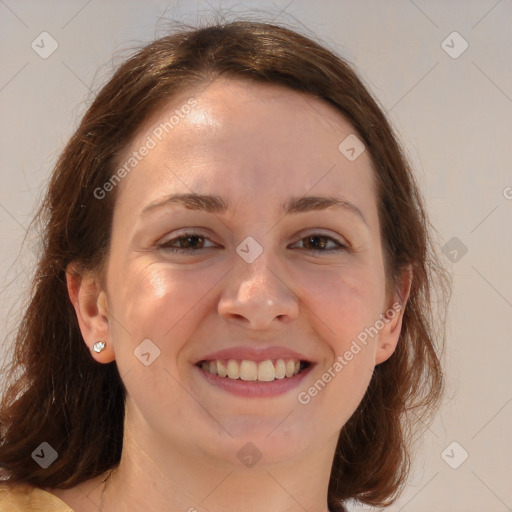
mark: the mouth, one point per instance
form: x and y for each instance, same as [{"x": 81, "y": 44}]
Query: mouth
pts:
[
  {"x": 247, "y": 370},
  {"x": 254, "y": 379},
  {"x": 253, "y": 372}
]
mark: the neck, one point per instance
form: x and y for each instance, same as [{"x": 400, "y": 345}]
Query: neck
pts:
[{"x": 149, "y": 477}]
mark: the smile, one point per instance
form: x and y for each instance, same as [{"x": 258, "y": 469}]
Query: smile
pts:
[{"x": 247, "y": 370}]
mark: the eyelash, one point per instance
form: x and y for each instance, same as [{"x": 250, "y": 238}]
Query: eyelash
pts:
[{"x": 167, "y": 247}]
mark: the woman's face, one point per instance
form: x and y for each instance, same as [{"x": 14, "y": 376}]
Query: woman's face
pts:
[{"x": 251, "y": 269}]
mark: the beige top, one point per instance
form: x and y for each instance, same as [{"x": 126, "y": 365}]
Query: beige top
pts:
[{"x": 27, "y": 498}]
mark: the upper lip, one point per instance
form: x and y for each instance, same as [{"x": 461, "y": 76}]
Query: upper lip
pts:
[{"x": 254, "y": 354}]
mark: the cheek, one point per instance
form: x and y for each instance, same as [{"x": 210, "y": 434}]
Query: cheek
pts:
[
  {"x": 343, "y": 301},
  {"x": 161, "y": 304},
  {"x": 157, "y": 301},
  {"x": 347, "y": 386}
]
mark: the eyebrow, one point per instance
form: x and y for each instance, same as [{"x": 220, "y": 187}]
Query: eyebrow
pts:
[{"x": 218, "y": 205}]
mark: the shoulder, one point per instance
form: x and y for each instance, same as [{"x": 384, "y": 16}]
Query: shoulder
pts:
[{"x": 27, "y": 498}]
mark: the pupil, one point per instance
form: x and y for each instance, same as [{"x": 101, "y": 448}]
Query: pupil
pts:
[
  {"x": 314, "y": 241},
  {"x": 188, "y": 242}
]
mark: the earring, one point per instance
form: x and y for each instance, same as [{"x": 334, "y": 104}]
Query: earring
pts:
[{"x": 99, "y": 346}]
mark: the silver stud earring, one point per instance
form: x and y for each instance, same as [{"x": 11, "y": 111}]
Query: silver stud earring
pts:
[{"x": 99, "y": 346}]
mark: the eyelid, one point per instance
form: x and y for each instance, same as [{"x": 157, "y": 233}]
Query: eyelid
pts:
[
  {"x": 321, "y": 232},
  {"x": 189, "y": 231},
  {"x": 205, "y": 232}
]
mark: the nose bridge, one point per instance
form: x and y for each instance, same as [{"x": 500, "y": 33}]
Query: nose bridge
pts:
[
  {"x": 255, "y": 291},
  {"x": 254, "y": 269}
]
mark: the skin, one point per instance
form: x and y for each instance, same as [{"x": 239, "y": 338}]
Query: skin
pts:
[{"x": 256, "y": 146}]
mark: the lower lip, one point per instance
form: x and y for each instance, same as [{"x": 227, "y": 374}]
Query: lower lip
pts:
[{"x": 255, "y": 389}]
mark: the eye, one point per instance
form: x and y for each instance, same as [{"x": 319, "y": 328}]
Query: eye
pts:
[
  {"x": 188, "y": 242},
  {"x": 318, "y": 243}
]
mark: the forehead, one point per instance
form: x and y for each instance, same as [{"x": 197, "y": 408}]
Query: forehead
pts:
[{"x": 245, "y": 141}]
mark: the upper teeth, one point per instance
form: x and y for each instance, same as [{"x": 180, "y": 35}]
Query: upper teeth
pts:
[{"x": 265, "y": 371}]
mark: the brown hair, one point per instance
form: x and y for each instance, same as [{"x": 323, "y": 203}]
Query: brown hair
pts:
[{"x": 57, "y": 388}]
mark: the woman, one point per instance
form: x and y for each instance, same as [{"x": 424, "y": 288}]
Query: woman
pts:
[{"x": 233, "y": 304}]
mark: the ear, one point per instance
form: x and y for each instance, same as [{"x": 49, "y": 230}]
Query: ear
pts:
[
  {"x": 392, "y": 318},
  {"x": 90, "y": 303}
]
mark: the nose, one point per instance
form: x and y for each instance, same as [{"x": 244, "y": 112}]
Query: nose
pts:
[{"x": 257, "y": 296}]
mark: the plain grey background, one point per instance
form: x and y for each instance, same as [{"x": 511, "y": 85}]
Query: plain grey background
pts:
[{"x": 442, "y": 72}]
